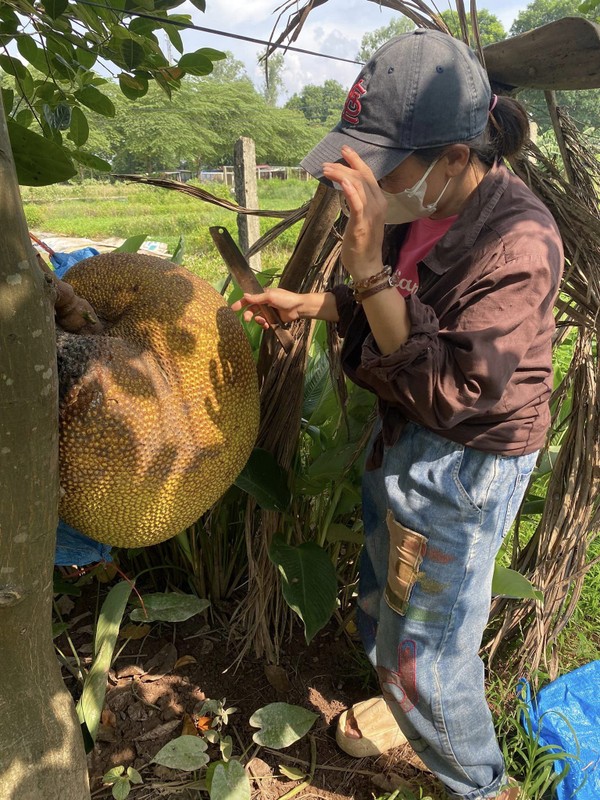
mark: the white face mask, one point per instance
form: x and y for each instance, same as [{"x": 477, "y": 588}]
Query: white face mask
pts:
[{"x": 408, "y": 205}]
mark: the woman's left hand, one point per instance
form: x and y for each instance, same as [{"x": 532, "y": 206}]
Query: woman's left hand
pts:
[{"x": 363, "y": 237}]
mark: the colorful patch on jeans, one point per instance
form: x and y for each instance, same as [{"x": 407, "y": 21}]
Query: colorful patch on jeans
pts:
[
  {"x": 404, "y": 680},
  {"x": 429, "y": 585},
  {"x": 406, "y": 554}
]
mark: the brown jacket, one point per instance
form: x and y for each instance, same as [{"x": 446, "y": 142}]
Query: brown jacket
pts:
[{"x": 477, "y": 367}]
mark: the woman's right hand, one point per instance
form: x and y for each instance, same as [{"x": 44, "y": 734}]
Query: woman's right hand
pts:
[{"x": 288, "y": 304}]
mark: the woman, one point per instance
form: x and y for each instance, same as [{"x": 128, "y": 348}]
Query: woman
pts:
[{"x": 448, "y": 319}]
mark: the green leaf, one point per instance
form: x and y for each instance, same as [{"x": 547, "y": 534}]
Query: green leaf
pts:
[
  {"x": 132, "y": 244},
  {"x": 8, "y": 98},
  {"x": 187, "y": 753},
  {"x": 24, "y": 117},
  {"x": 174, "y": 36},
  {"x": 121, "y": 789},
  {"x": 195, "y": 63},
  {"x": 39, "y": 162},
  {"x": 178, "y": 253},
  {"x": 281, "y": 725},
  {"x": 58, "y": 628},
  {"x": 534, "y": 504},
  {"x": 230, "y": 782},
  {"x": 134, "y": 776},
  {"x": 214, "y": 55},
  {"x": 169, "y": 607},
  {"x": 12, "y": 66},
  {"x": 342, "y": 533},
  {"x": 91, "y": 702},
  {"x": 90, "y": 160},
  {"x": 133, "y": 87},
  {"x": 87, "y": 58},
  {"x": 309, "y": 582},
  {"x": 263, "y": 479},
  {"x": 79, "y": 130},
  {"x": 92, "y": 98},
  {"x": 113, "y": 774},
  {"x": 199, "y": 4},
  {"x": 54, "y": 8},
  {"x": 33, "y": 54},
  {"x": 292, "y": 773},
  {"x": 509, "y": 583},
  {"x": 132, "y": 53}
]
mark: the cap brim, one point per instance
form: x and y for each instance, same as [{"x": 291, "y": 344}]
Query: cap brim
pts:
[{"x": 381, "y": 160}]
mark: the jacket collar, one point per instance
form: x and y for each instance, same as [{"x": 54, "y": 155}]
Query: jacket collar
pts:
[{"x": 474, "y": 215}]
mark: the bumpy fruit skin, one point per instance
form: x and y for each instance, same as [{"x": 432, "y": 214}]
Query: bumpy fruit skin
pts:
[{"x": 159, "y": 414}]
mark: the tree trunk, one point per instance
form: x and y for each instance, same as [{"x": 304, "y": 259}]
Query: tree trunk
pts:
[{"x": 41, "y": 747}]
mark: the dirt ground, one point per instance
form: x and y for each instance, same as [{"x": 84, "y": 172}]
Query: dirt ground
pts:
[{"x": 158, "y": 684}]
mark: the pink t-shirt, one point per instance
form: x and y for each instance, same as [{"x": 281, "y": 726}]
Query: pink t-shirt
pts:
[{"x": 422, "y": 235}]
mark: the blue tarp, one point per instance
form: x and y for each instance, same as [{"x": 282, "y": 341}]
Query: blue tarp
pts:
[
  {"x": 62, "y": 262},
  {"x": 566, "y": 713},
  {"x": 72, "y": 547}
]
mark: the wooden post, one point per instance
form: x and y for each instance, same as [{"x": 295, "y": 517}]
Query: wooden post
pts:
[{"x": 246, "y": 194}]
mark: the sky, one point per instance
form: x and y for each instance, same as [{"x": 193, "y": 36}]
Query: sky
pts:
[{"x": 335, "y": 28}]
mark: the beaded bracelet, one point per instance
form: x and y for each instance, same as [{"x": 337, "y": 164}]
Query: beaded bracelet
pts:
[{"x": 366, "y": 283}]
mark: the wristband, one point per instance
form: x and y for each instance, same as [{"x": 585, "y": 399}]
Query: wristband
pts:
[
  {"x": 366, "y": 283},
  {"x": 360, "y": 296}
]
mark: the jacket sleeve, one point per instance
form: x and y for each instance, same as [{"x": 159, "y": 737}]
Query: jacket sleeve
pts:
[{"x": 449, "y": 371}]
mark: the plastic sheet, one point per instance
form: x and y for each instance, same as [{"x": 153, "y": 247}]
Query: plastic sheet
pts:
[
  {"x": 62, "y": 262},
  {"x": 566, "y": 713}
]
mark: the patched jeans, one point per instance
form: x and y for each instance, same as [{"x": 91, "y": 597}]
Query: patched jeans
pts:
[{"x": 435, "y": 514}]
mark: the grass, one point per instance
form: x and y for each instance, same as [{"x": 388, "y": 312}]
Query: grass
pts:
[{"x": 100, "y": 210}]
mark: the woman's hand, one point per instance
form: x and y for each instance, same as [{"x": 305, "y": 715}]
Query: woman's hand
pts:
[
  {"x": 363, "y": 237},
  {"x": 290, "y": 305}
]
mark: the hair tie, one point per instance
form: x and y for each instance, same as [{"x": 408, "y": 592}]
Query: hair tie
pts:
[{"x": 493, "y": 102}]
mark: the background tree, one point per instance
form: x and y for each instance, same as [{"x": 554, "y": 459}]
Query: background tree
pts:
[
  {"x": 582, "y": 105},
  {"x": 372, "y": 41},
  {"x": 273, "y": 83},
  {"x": 320, "y": 103},
  {"x": 490, "y": 28}
]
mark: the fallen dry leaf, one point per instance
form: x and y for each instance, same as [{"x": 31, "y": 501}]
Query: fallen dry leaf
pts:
[
  {"x": 184, "y": 661},
  {"x": 132, "y": 631}
]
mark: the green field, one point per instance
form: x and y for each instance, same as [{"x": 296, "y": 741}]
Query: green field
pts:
[{"x": 100, "y": 210}]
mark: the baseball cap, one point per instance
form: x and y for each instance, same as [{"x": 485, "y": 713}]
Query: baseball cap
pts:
[{"x": 421, "y": 89}]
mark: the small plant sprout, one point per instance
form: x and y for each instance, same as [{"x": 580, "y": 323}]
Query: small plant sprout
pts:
[
  {"x": 210, "y": 721},
  {"x": 121, "y": 781}
]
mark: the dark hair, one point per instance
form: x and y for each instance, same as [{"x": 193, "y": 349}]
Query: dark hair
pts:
[{"x": 506, "y": 133}]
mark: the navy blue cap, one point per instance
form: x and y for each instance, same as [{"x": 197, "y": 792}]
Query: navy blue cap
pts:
[{"x": 421, "y": 89}]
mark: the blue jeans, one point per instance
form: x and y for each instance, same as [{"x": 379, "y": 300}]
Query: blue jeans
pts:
[{"x": 435, "y": 514}]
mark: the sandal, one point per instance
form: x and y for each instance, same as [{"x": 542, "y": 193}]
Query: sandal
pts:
[{"x": 368, "y": 729}]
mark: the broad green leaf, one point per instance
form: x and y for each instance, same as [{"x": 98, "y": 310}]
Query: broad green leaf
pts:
[
  {"x": 121, "y": 789},
  {"x": 12, "y": 66},
  {"x": 309, "y": 582},
  {"x": 8, "y": 98},
  {"x": 92, "y": 98},
  {"x": 90, "y": 160},
  {"x": 230, "y": 782},
  {"x": 342, "y": 533},
  {"x": 214, "y": 55},
  {"x": 534, "y": 504},
  {"x": 24, "y": 117},
  {"x": 54, "y": 8},
  {"x": 132, "y": 53},
  {"x": 33, "y": 54},
  {"x": 133, "y": 87},
  {"x": 58, "y": 628},
  {"x": 38, "y": 161},
  {"x": 548, "y": 461},
  {"x": 195, "y": 63},
  {"x": 509, "y": 583},
  {"x": 169, "y": 607},
  {"x": 134, "y": 776},
  {"x": 199, "y": 4},
  {"x": 263, "y": 479},
  {"x": 87, "y": 58},
  {"x": 281, "y": 725},
  {"x": 91, "y": 702},
  {"x": 132, "y": 244},
  {"x": 187, "y": 753},
  {"x": 174, "y": 37},
  {"x": 79, "y": 129},
  {"x": 113, "y": 774}
]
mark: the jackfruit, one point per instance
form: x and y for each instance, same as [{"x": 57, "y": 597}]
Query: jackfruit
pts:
[{"x": 159, "y": 414}]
